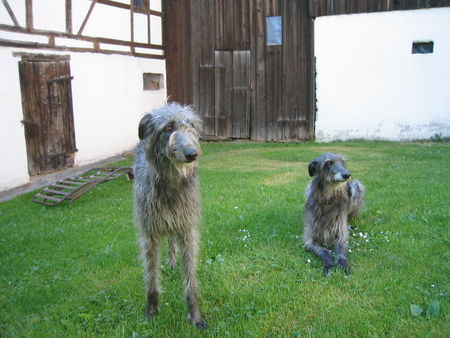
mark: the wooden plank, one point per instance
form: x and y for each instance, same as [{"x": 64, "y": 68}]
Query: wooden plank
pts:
[
  {"x": 206, "y": 98},
  {"x": 223, "y": 85},
  {"x": 240, "y": 94},
  {"x": 56, "y": 192},
  {"x": 10, "y": 12},
  {"x": 69, "y": 27},
  {"x": 241, "y": 25},
  {"x": 258, "y": 114},
  {"x": 46, "y": 197},
  {"x": 132, "y": 27},
  {"x": 177, "y": 41},
  {"x": 29, "y": 13},
  {"x": 88, "y": 15},
  {"x": 58, "y": 185}
]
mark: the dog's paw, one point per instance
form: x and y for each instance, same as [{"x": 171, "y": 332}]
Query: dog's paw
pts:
[
  {"x": 150, "y": 313},
  {"x": 342, "y": 262},
  {"x": 151, "y": 310},
  {"x": 327, "y": 269},
  {"x": 201, "y": 324}
]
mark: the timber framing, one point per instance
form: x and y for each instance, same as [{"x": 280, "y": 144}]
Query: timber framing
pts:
[{"x": 93, "y": 44}]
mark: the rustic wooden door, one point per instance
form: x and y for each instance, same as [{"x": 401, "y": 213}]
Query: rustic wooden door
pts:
[
  {"x": 232, "y": 96},
  {"x": 47, "y": 113}
]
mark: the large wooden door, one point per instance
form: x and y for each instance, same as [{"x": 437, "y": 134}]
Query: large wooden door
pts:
[
  {"x": 232, "y": 96},
  {"x": 47, "y": 113}
]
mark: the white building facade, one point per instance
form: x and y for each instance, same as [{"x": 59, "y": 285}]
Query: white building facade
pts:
[{"x": 371, "y": 85}]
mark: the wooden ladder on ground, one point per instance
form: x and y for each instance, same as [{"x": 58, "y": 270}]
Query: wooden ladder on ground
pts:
[{"x": 72, "y": 188}]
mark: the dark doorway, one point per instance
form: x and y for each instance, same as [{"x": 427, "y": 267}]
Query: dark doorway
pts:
[{"x": 47, "y": 112}]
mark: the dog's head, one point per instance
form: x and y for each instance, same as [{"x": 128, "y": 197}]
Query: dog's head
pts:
[
  {"x": 171, "y": 133},
  {"x": 329, "y": 167}
]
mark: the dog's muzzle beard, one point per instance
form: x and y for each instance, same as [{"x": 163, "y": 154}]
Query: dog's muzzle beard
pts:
[
  {"x": 341, "y": 177},
  {"x": 182, "y": 148}
]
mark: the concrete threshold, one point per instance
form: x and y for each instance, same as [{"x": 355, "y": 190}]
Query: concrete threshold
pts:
[{"x": 41, "y": 181}]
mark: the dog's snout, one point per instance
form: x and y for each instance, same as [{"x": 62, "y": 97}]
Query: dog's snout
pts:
[
  {"x": 190, "y": 155},
  {"x": 346, "y": 175}
]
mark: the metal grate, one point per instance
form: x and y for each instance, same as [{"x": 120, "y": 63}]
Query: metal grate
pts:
[{"x": 72, "y": 188}]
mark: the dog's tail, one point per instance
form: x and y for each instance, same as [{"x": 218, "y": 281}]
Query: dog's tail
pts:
[{"x": 356, "y": 192}]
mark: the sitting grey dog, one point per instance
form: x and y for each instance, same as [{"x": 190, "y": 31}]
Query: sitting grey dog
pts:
[{"x": 331, "y": 200}]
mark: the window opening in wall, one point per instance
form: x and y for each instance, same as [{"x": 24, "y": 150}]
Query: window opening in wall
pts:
[
  {"x": 274, "y": 30},
  {"x": 153, "y": 81},
  {"x": 143, "y": 4},
  {"x": 422, "y": 47}
]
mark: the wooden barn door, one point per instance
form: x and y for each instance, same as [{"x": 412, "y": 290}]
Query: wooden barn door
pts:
[
  {"x": 232, "y": 97},
  {"x": 47, "y": 111}
]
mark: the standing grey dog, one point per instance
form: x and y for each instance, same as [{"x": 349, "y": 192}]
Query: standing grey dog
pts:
[
  {"x": 331, "y": 200},
  {"x": 167, "y": 198}
]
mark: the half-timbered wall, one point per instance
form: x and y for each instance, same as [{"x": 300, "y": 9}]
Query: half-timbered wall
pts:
[
  {"x": 108, "y": 50},
  {"x": 128, "y": 27}
]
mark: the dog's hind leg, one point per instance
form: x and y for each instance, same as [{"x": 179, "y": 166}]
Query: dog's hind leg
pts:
[
  {"x": 342, "y": 259},
  {"x": 172, "y": 261},
  {"x": 323, "y": 253},
  {"x": 189, "y": 250},
  {"x": 150, "y": 249}
]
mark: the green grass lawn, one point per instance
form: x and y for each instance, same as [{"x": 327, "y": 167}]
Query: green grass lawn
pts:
[{"x": 73, "y": 270}]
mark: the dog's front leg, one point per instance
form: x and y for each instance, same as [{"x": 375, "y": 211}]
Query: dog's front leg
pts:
[
  {"x": 342, "y": 259},
  {"x": 324, "y": 255},
  {"x": 189, "y": 250},
  {"x": 150, "y": 250}
]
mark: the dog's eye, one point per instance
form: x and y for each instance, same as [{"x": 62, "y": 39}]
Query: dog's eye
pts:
[
  {"x": 328, "y": 163},
  {"x": 168, "y": 129}
]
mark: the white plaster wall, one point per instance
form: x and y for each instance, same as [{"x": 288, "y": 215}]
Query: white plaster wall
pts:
[
  {"x": 370, "y": 86},
  {"x": 13, "y": 155},
  {"x": 108, "y": 103}
]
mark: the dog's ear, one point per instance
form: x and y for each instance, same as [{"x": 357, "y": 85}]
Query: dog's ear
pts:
[
  {"x": 312, "y": 168},
  {"x": 145, "y": 126}
]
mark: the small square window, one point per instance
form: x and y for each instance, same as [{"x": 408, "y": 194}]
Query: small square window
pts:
[
  {"x": 422, "y": 47},
  {"x": 274, "y": 30},
  {"x": 140, "y": 3},
  {"x": 153, "y": 81}
]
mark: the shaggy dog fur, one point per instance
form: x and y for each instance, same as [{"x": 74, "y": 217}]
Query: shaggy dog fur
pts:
[
  {"x": 331, "y": 200},
  {"x": 167, "y": 198}
]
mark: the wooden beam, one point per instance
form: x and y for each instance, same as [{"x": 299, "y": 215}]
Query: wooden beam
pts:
[
  {"x": 69, "y": 16},
  {"x": 149, "y": 32},
  {"x": 87, "y": 17},
  {"x": 29, "y": 13},
  {"x": 126, "y": 6},
  {"x": 132, "y": 27},
  {"x": 37, "y": 45},
  {"x": 47, "y": 33},
  {"x": 10, "y": 12}
]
